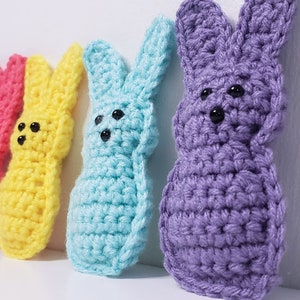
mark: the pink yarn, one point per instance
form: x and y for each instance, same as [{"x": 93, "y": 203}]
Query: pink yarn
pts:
[{"x": 11, "y": 104}]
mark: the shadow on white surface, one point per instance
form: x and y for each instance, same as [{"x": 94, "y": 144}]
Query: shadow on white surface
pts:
[
  {"x": 49, "y": 255},
  {"x": 142, "y": 271},
  {"x": 280, "y": 293},
  {"x": 53, "y": 278}
]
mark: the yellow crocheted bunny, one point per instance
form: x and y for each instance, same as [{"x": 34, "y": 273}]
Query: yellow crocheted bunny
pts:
[{"x": 30, "y": 191}]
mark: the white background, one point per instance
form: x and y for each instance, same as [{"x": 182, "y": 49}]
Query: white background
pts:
[{"x": 50, "y": 27}]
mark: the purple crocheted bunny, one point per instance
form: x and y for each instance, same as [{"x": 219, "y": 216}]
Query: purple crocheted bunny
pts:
[{"x": 222, "y": 211}]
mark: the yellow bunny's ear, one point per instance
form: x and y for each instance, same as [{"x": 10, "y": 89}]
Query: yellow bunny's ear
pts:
[
  {"x": 66, "y": 78},
  {"x": 37, "y": 77}
]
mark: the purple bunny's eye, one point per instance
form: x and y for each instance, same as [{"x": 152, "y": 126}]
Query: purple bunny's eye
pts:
[
  {"x": 205, "y": 93},
  {"x": 217, "y": 115},
  {"x": 236, "y": 91}
]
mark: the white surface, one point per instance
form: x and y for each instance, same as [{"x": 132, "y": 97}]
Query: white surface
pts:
[
  {"x": 49, "y": 27},
  {"x": 50, "y": 277}
]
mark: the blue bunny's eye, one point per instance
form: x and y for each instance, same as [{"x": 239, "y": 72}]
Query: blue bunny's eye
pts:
[
  {"x": 118, "y": 114},
  {"x": 98, "y": 119},
  {"x": 105, "y": 135}
]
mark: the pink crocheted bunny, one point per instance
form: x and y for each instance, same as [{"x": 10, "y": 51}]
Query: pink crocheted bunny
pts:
[{"x": 11, "y": 104}]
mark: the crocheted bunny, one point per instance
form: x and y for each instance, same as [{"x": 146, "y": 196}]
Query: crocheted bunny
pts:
[
  {"x": 110, "y": 204},
  {"x": 11, "y": 104},
  {"x": 222, "y": 211},
  {"x": 30, "y": 191}
]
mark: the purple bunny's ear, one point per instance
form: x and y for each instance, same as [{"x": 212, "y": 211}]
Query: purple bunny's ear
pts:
[
  {"x": 202, "y": 33},
  {"x": 262, "y": 29}
]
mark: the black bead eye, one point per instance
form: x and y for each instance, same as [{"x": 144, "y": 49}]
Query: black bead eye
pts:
[
  {"x": 21, "y": 126},
  {"x": 35, "y": 126},
  {"x": 236, "y": 91},
  {"x": 105, "y": 135},
  {"x": 21, "y": 139},
  {"x": 117, "y": 114},
  {"x": 98, "y": 119},
  {"x": 217, "y": 115},
  {"x": 254, "y": 128},
  {"x": 205, "y": 93}
]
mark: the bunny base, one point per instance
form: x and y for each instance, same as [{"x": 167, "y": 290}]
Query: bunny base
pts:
[{"x": 222, "y": 233}]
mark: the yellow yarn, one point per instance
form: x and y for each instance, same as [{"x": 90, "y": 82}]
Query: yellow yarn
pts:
[{"x": 30, "y": 191}]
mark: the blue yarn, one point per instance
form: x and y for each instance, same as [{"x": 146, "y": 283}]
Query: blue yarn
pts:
[{"x": 110, "y": 204}]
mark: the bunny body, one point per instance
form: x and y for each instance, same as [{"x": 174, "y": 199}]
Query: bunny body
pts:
[
  {"x": 30, "y": 191},
  {"x": 110, "y": 204},
  {"x": 222, "y": 211},
  {"x": 11, "y": 104}
]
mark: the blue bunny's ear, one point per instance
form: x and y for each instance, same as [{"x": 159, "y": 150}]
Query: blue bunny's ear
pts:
[
  {"x": 105, "y": 68},
  {"x": 262, "y": 29},
  {"x": 152, "y": 60}
]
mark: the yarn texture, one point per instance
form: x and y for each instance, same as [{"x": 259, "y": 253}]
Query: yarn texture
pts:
[
  {"x": 222, "y": 211},
  {"x": 110, "y": 204},
  {"x": 11, "y": 104},
  {"x": 30, "y": 191}
]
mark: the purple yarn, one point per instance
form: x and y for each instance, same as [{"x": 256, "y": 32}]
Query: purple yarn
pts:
[{"x": 222, "y": 212}]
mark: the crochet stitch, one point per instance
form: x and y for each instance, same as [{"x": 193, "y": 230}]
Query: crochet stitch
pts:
[
  {"x": 110, "y": 204},
  {"x": 222, "y": 211},
  {"x": 11, "y": 104},
  {"x": 30, "y": 191}
]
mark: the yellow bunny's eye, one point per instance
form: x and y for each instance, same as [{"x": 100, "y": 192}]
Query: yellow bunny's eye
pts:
[
  {"x": 35, "y": 126},
  {"x": 21, "y": 139},
  {"x": 21, "y": 126}
]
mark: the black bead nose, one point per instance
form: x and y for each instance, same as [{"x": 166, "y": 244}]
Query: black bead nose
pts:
[
  {"x": 105, "y": 135},
  {"x": 217, "y": 115},
  {"x": 21, "y": 139}
]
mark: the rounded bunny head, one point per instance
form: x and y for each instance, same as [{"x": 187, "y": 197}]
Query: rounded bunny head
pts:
[
  {"x": 228, "y": 103},
  {"x": 45, "y": 124},
  {"x": 116, "y": 123},
  {"x": 26, "y": 131},
  {"x": 233, "y": 82},
  {"x": 33, "y": 133},
  {"x": 121, "y": 117}
]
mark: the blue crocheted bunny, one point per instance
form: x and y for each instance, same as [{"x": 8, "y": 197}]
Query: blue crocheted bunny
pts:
[{"x": 110, "y": 204}]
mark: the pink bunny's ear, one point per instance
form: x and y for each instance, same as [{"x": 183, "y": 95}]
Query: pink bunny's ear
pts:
[
  {"x": 15, "y": 67},
  {"x": 262, "y": 29},
  {"x": 12, "y": 87},
  {"x": 202, "y": 34}
]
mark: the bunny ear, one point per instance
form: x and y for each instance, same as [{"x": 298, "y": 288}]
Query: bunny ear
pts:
[
  {"x": 37, "y": 77},
  {"x": 105, "y": 68},
  {"x": 202, "y": 34},
  {"x": 12, "y": 80},
  {"x": 152, "y": 60},
  {"x": 14, "y": 67},
  {"x": 262, "y": 28},
  {"x": 66, "y": 78}
]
